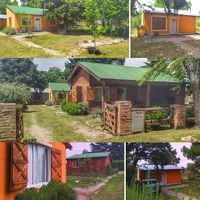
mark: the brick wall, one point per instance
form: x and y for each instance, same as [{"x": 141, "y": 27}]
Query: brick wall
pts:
[{"x": 7, "y": 121}]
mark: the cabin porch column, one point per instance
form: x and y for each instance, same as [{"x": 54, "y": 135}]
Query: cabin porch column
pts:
[{"x": 147, "y": 96}]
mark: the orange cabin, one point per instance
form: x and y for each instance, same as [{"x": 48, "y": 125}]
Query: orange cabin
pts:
[
  {"x": 166, "y": 175},
  {"x": 25, "y": 165},
  {"x": 157, "y": 22},
  {"x": 34, "y": 19}
]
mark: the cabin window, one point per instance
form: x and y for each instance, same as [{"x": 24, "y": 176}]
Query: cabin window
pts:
[
  {"x": 97, "y": 93},
  {"x": 121, "y": 94},
  {"x": 26, "y": 21},
  {"x": 159, "y": 23},
  {"x": 39, "y": 165},
  {"x": 75, "y": 164},
  {"x": 60, "y": 95},
  {"x": 52, "y": 22}
]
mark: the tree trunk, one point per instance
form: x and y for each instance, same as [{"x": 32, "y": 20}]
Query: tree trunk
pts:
[{"x": 196, "y": 99}]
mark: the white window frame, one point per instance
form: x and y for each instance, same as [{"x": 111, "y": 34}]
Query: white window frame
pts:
[
  {"x": 101, "y": 88},
  {"x": 75, "y": 165},
  {"x": 124, "y": 88},
  {"x": 177, "y": 18},
  {"x": 155, "y": 16},
  {"x": 95, "y": 94},
  {"x": 38, "y": 185}
]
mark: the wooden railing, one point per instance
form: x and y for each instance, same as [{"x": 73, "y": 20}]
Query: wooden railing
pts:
[{"x": 110, "y": 118}]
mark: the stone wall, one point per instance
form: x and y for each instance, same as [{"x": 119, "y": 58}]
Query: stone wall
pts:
[{"x": 7, "y": 121}]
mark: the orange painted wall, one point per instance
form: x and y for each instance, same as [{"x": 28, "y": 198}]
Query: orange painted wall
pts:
[
  {"x": 5, "y": 193},
  {"x": 16, "y": 22},
  {"x": 173, "y": 177},
  {"x": 187, "y": 24}
]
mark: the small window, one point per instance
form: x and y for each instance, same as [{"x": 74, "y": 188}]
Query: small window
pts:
[
  {"x": 106, "y": 94},
  {"x": 52, "y": 22},
  {"x": 39, "y": 164},
  {"x": 75, "y": 164},
  {"x": 159, "y": 23},
  {"x": 26, "y": 20},
  {"x": 121, "y": 94},
  {"x": 97, "y": 93},
  {"x": 60, "y": 95}
]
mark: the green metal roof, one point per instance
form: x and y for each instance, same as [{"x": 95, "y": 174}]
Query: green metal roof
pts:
[
  {"x": 120, "y": 72},
  {"x": 89, "y": 155},
  {"x": 27, "y": 10},
  {"x": 60, "y": 87}
]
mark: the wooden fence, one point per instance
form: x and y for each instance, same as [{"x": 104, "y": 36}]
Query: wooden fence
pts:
[
  {"x": 110, "y": 118},
  {"x": 19, "y": 124}
]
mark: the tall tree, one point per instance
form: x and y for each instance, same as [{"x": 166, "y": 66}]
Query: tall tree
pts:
[
  {"x": 21, "y": 71},
  {"x": 4, "y": 3},
  {"x": 116, "y": 149},
  {"x": 183, "y": 69}
]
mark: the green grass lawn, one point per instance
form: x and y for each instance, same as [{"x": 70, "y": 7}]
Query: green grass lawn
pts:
[
  {"x": 114, "y": 189},
  {"x": 67, "y": 43},
  {"x": 154, "y": 49},
  {"x": 83, "y": 181},
  {"x": 10, "y": 48},
  {"x": 193, "y": 188}
]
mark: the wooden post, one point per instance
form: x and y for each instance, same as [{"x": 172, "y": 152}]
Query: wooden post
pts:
[
  {"x": 102, "y": 95},
  {"x": 148, "y": 92}
]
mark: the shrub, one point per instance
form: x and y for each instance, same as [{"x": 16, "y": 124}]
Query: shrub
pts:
[
  {"x": 56, "y": 190},
  {"x": 63, "y": 103},
  {"x": 109, "y": 170},
  {"x": 100, "y": 113},
  {"x": 156, "y": 116},
  {"x": 9, "y": 30},
  {"x": 48, "y": 103},
  {"x": 30, "y": 194},
  {"x": 190, "y": 112},
  {"x": 118, "y": 164},
  {"x": 13, "y": 93},
  {"x": 72, "y": 108},
  {"x": 84, "y": 108}
]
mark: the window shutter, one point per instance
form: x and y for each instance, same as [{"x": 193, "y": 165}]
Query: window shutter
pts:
[
  {"x": 19, "y": 166},
  {"x": 90, "y": 94},
  {"x": 74, "y": 94},
  {"x": 56, "y": 164}
]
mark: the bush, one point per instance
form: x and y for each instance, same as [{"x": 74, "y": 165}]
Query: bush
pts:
[
  {"x": 100, "y": 113},
  {"x": 54, "y": 190},
  {"x": 190, "y": 112},
  {"x": 109, "y": 170},
  {"x": 84, "y": 108},
  {"x": 72, "y": 108},
  {"x": 63, "y": 103},
  {"x": 13, "y": 93},
  {"x": 118, "y": 164},
  {"x": 9, "y": 30},
  {"x": 30, "y": 194},
  {"x": 57, "y": 190},
  {"x": 156, "y": 116},
  {"x": 48, "y": 103}
]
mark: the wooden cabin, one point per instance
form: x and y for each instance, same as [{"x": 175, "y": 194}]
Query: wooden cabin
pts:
[
  {"x": 26, "y": 165},
  {"x": 157, "y": 21},
  {"x": 89, "y": 163},
  {"x": 96, "y": 83},
  {"x": 2, "y": 21},
  {"x": 39, "y": 97},
  {"x": 58, "y": 92},
  {"x": 165, "y": 175},
  {"x": 20, "y": 17}
]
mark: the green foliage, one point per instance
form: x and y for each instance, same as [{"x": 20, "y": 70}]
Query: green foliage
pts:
[
  {"x": 156, "y": 116},
  {"x": 4, "y": 3},
  {"x": 137, "y": 20},
  {"x": 190, "y": 112},
  {"x": 99, "y": 113},
  {"x": 13, "y": 93},
  {"x": 142, "y": 193},
  {"x": 54, "y": 190},
  {"x": 84, "y": 108},
  {"x": 109, "y": 171},
  {"x": 29, "y": 194},
  {"x": 9, "y": 30},
  {"x": 72, "y": 108},
  {"x": 118, "y": 164},
  {"x": 48, "y": 103}
]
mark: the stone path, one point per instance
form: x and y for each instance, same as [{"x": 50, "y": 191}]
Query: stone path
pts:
[
  {"x": 22, "y": 39},
  {"x": 180, "y": 41},
  {"x": 179, "y": 195},
  {"x": 85, "y": 193}
]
